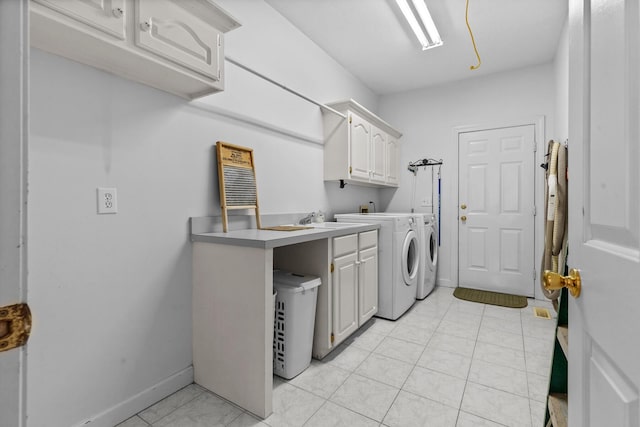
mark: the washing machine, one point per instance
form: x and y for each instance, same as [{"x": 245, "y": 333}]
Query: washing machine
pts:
[
  {"x": 398, "y": 260},
  {"x": 424, "y": 273}
]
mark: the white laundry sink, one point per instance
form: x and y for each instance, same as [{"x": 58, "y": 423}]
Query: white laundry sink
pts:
[
  {"x": 328, "y": 224},
  {"x": 331, "y": 224}
]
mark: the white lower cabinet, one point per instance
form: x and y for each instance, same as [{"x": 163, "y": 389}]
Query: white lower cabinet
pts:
[{"x": 354, "y": 284}]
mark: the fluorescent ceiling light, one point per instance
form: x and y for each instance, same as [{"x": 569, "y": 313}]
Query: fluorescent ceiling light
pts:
[{"x": 425, "y": 29}]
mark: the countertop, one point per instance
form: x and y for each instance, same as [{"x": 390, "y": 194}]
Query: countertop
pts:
[{"x": 269, "y": 239}]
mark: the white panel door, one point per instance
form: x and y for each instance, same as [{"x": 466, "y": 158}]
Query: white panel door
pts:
[
  {"x": 345, "y": 296},
  {"x": 14, "y": 83},
  {"x": 359, "y": 138},
  {"x": 496, "y": 210},
  {"x": 378, "y": 155},
  {"x": 604, "y": 212},
  {"x": 368, "y": 284}
]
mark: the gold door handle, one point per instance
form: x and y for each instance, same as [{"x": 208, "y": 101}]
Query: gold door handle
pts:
[
  {"x": 15, "y": 326},
  {"x": 463, "y": 206},
  {"x": 553, "y": 281},
  {"x": 463, "y": 218}
]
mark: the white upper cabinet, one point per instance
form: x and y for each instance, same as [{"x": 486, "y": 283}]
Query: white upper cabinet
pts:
[
  {"x": 362, "y": 149},
  {"x": 173, "y": 45}
]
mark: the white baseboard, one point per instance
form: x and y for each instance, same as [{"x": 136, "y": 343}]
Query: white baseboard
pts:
[
  {"x": 446, "y": 283},
  {"x": 128, "y": 408}
]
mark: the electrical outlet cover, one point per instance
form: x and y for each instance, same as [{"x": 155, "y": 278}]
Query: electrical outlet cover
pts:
[{"x": 107, "y": 200}]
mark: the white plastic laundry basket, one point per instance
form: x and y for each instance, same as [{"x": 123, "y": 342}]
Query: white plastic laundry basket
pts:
[{"x": 295, "y": 315}]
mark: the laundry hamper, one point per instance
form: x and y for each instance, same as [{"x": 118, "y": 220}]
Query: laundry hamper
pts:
[{"x": 294, "y": 319}]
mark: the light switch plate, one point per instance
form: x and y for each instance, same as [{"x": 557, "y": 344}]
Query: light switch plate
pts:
[{"x": 107, "y": 200}]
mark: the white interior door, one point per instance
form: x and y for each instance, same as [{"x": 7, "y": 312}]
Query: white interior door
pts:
[
  {"x": 496, "y": 210},
  {"x": 14, "y": 63},
  {"x": 604, "y": 212}
]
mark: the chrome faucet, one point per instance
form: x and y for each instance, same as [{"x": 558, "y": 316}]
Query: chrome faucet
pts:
[{"x": 308, "y": 219}]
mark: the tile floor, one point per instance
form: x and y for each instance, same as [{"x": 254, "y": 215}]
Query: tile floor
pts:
[{"x": 446, "y": 362}]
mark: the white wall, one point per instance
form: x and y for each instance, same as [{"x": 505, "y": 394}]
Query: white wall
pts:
[
  {"x": 428, "y": 118},
  {"x": 111, "y": 294}
]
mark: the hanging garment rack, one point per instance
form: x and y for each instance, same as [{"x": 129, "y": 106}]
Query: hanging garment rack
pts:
[
  {"x": 280, "y": 85},
  {"x": 413, "y": 166}
]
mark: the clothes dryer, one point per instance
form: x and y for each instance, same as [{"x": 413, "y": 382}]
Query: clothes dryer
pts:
[
  {"x": 429, "y": 256},
  {"x": 398, "y": 261}
]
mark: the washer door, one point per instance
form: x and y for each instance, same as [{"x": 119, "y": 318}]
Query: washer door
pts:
[
  {"x": 410, "y": 258},
  {"x": 432, "y": 248}
]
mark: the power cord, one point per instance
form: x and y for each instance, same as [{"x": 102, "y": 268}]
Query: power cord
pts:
[{"x": 473, "y": 40}]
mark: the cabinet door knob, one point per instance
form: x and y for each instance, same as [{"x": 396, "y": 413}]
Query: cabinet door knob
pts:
[
  {"x": 118, "y": 12},
  {"x": 463, "y": 218},
  {"x": 145, "y": 26}
]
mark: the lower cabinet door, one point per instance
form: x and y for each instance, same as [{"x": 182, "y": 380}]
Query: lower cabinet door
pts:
[
  {"x": 345, "y": 296},
  {"x": 368, "y": 284}
]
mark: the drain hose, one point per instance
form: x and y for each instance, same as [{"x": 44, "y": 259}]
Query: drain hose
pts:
[{"x": 555, "y": 226}]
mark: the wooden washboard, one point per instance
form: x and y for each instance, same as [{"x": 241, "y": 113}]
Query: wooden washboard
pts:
[{"x": 237, "y": 180}]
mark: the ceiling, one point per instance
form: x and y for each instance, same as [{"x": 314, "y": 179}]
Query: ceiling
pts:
[{"x": 371, "y": 39}]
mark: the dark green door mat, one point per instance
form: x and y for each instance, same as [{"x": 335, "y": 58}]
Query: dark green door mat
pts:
[{"x": 487, "y": 297}]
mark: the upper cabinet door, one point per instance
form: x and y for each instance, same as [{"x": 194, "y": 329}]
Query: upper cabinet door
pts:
[
  {"x": 359, "y": 137},
  {"x": 378, "y": 154},
  {"x": 392, "y": 161},
  {"x": 107, "y": 16},
  {"x": 170, "y": 31}
]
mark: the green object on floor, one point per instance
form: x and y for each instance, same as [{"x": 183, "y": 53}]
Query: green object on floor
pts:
[{"x": 487, "y": 297}]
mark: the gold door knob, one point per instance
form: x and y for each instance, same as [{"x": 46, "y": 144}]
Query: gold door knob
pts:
[
  {"x": 553, "y": 281},
  {"x": 463, "y": 218},
  {"x": 463, "y": 206}
]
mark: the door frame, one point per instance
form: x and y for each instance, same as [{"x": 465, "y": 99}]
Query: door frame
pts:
[
  {"x": 538, "y": 123},
  {"x": 14, "y": 131}
]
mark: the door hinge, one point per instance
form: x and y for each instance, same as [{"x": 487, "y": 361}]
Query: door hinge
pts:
[
  {"x": 535, "y": 211},
  {"x": 333, "y": 338},
  {"x": 332, "y": 267},
  {"x": 350, "y": 119},
  {"x": 535, "y": 146},
  {"x": 534, "y": 274},
  {"x": 219, "y": 40},
  {"x": 15, "y": 326},
  {"x": 350, "y": 169}
]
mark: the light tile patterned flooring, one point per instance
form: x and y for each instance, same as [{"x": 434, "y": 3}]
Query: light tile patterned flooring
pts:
[{"x": 446, "y": 362}]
